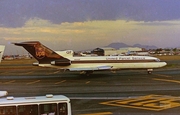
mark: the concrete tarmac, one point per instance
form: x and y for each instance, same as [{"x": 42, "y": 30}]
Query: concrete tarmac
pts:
[
  {"x": 106, "y": 84},
  {"x": 126, "y": 92}
]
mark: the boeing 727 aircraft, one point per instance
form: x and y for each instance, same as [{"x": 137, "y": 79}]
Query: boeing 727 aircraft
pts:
[{"x": 65, "y": 60}]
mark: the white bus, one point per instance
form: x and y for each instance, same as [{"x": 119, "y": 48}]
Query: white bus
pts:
[{"x": 39, "y": 105}]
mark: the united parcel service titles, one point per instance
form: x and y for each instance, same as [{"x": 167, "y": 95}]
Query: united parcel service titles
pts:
[{"x": 125, "y": 58}]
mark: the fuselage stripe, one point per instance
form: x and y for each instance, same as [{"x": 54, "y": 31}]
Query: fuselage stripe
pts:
[{"x": 112, "y": 61}]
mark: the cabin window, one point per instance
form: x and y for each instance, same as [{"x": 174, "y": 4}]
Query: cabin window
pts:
[
  {"x": 48, "y": 109},
  {"x": 62, "y": 108},
  {"x": 9, "y": 110},
  {"x": 28, "y": 110}
]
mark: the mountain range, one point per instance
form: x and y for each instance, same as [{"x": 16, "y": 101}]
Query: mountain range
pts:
[{"x": 118, "y": 45}]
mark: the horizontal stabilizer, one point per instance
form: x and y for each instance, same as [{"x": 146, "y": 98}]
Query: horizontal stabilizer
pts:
[{"x": 26, "y": 43}]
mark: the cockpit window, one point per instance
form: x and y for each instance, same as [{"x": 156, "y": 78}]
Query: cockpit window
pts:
[{"x": 158, "y": 60}]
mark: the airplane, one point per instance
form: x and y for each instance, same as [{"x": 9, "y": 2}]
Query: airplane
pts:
[
  {"x": 87, "y": 65},
  {"x": 2, "y": 47}
]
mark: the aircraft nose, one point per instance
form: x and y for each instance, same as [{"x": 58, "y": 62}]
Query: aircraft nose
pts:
[{"x": 164, "y": 64}]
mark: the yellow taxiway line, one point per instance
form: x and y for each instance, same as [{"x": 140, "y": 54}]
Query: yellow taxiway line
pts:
[
  {"x": 10, "y": 82},
  {"x": 150, "y": 102},
  {"x": 167, "y": 80},
  {"x": 33, "y": 82},
  {"x": 60, "y": 82}
]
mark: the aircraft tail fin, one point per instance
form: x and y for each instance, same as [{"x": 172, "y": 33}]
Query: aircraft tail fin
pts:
[
  {"x": 43, "y": 54},
  {"x": 1, "y": 52}
]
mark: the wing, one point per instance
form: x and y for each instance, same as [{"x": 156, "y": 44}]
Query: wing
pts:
[{"x": 106, "y": 67}]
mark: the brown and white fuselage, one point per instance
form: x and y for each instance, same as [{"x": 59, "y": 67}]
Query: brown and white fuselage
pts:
[{"x": 110, "y": 63}]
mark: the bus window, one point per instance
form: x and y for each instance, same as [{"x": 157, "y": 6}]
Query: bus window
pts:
[
  {"x": 9, "y": 110},
  {"x": 28, "y": 110},
  {"x": 48, "y": 109},
  {"x": 62, "y": 108}
]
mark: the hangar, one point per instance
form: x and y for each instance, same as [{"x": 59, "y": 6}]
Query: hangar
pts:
[
  {"x": 107, "y": 51},
  {"x": 104, "y": 51}
]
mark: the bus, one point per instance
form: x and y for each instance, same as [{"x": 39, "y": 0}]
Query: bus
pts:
[{"x": 38, "y": 105}]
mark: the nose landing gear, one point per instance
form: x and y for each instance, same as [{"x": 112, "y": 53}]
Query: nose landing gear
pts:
[{"x": 149, "y": 71}]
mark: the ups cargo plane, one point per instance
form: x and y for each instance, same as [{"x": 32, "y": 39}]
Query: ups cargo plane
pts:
[{"x": 65, "y": 60}]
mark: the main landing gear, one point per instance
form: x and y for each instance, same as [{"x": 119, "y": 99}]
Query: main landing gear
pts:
[
  {"x": 87, "y": 73},
  {"x": 149, "y": 71}
]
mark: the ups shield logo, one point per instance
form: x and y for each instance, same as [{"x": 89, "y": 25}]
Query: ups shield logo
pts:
[{"x": 39, "y": 51}]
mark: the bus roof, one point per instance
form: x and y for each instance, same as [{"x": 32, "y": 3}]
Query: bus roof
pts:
[{"x": 36, "y": 99}]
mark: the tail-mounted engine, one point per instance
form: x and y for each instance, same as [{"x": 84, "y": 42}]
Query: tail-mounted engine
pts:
[{"x": 61, "y": 62}]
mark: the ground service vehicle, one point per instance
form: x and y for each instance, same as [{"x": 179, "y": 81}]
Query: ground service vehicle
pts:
[{"x": 39, "y": 105}]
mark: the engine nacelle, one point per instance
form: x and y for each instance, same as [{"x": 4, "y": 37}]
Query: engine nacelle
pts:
[{"x": 61, "y": 63}]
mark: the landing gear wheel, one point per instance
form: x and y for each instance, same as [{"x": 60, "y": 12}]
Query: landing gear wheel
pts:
[
  {"x": 149, "y": 72},
  {"x": 88, "y": 72}
]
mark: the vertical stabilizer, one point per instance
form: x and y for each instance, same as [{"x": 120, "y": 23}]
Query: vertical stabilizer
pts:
[
  {"x": 40, "y": 52},
  {"x": 1, "y": 51}
]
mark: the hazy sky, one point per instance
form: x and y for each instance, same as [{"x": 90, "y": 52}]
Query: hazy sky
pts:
[{"x": 87, "y": 24}]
